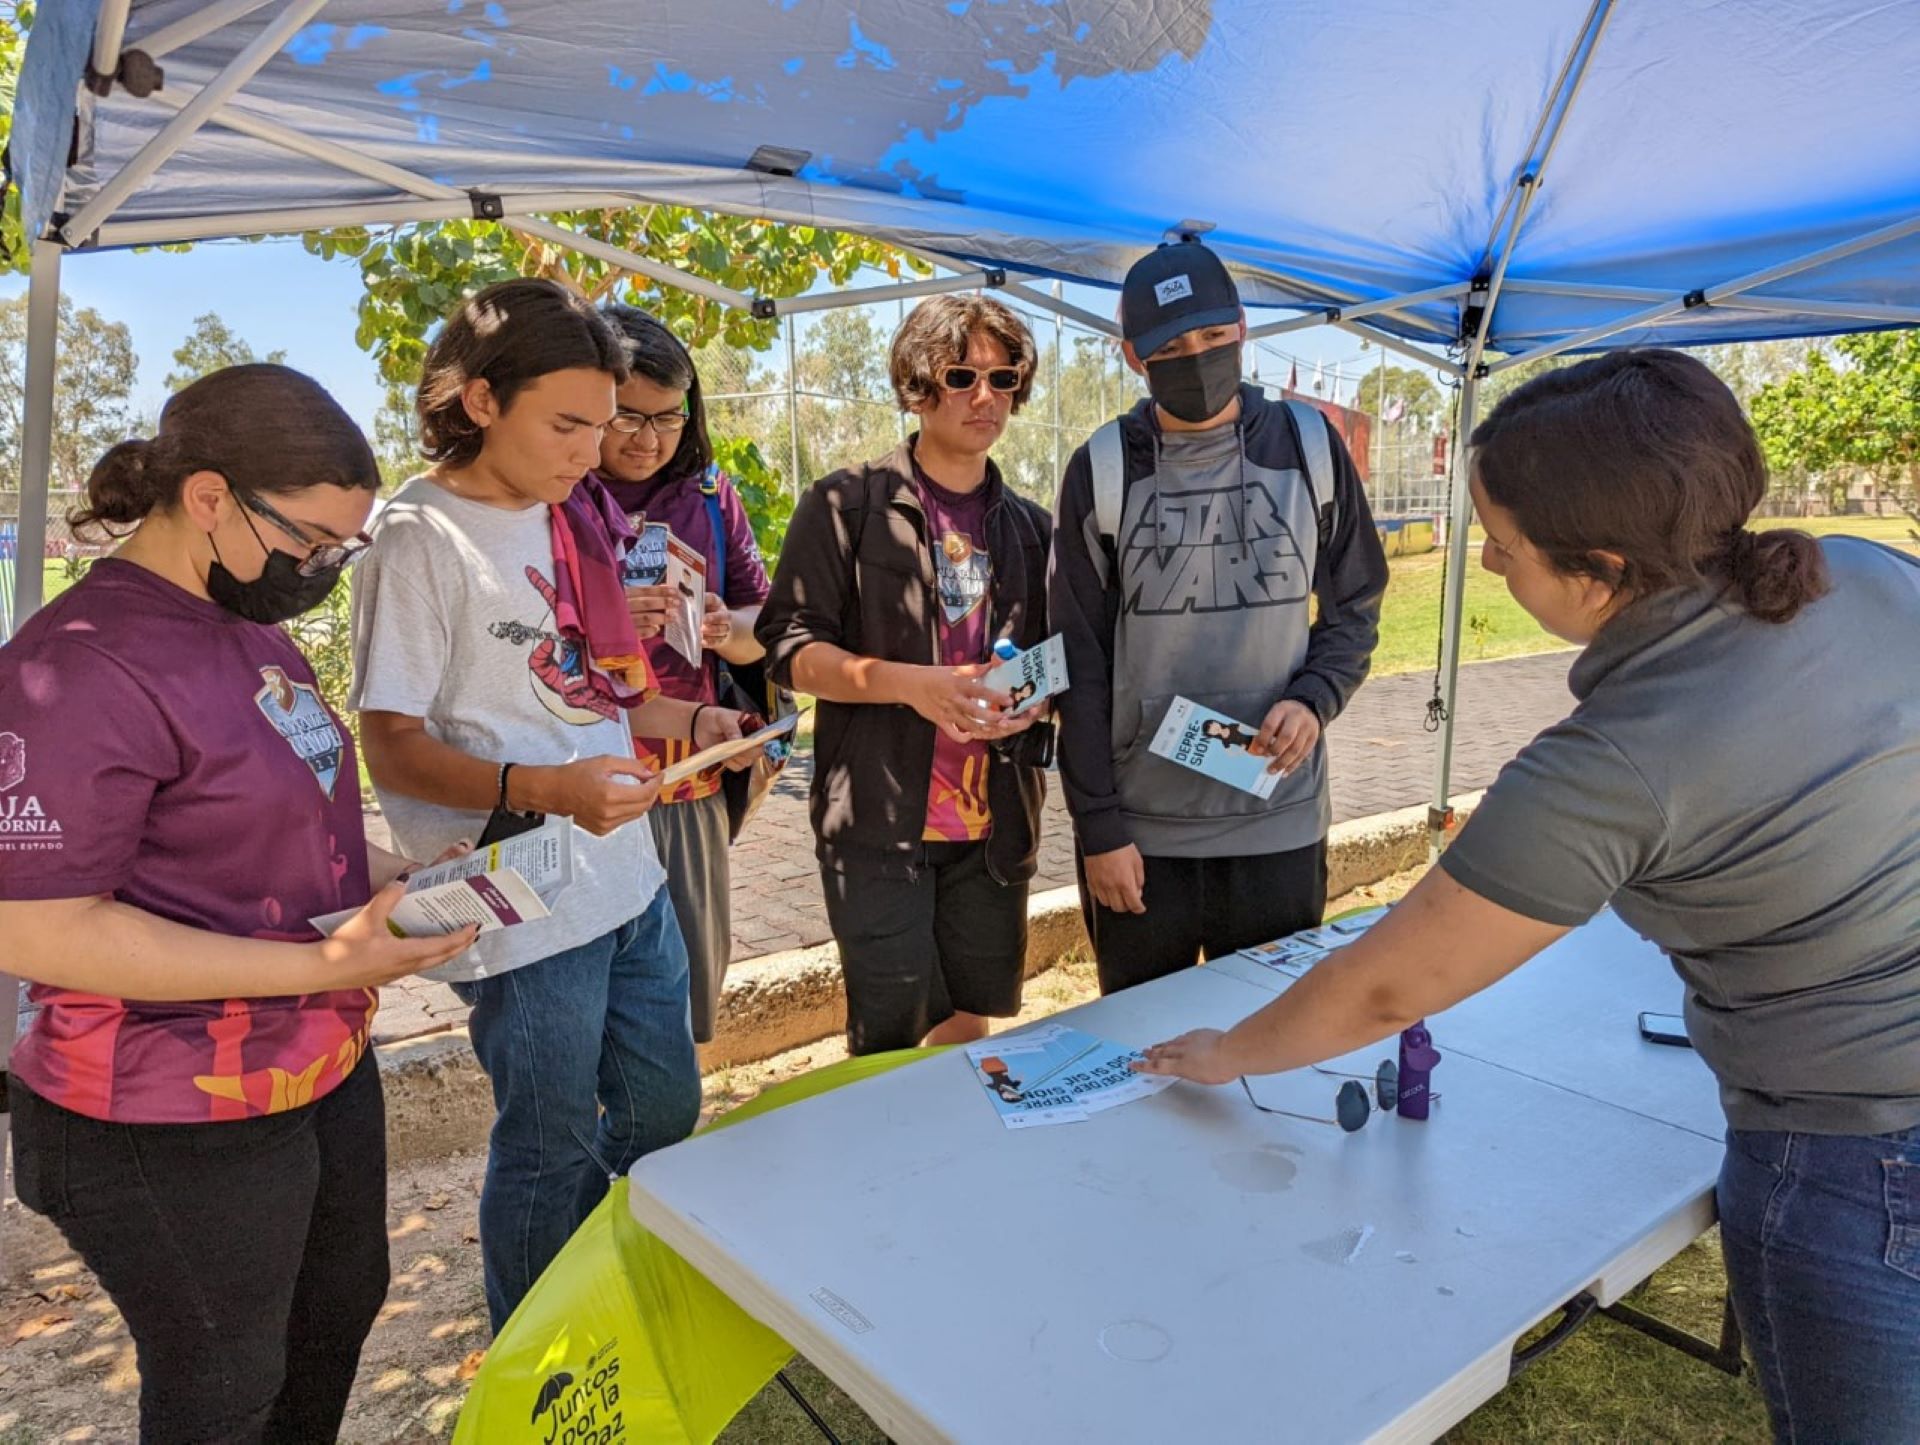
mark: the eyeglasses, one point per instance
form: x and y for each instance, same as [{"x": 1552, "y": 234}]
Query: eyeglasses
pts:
[
  {"x": 664, "y": 423},
  {"x": 1003, "y": 379},
  {"x": 1351, "y": 1107},
  {"x": 321, "y": 556}
]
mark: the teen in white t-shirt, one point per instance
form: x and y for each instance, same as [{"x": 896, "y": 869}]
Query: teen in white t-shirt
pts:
[{"x": 581, "y": 1020}]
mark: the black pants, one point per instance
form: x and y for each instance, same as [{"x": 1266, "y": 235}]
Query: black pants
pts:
[
  {"x": 915, "y": 950},
  {"x": 1204, "y": 907},
  {"x": 248, "y": 1258}
]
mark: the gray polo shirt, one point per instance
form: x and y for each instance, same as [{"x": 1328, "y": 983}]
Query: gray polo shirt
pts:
[{"x": 1747, "y": 796}]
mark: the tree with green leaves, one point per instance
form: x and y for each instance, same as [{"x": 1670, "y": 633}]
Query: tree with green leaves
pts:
[
  {"x": 210, "y": 347},
  {"x": 1849, "y": 410},
  {"x": 92, "y": 394},
  {"x": 414, "y": 275},
  {"x": 15, "y": 20}
]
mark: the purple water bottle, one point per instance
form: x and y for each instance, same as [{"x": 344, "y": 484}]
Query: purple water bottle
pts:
[{"x": 1417, "y": 1058}]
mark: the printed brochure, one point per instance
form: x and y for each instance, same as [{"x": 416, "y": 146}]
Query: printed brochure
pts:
[
  {"x": 1056, "y": 1075},
  {"x": 1033, "y": 675},
  {"x": 507, "y": 883},
  {"x": 1298, "y": 952},
  {"x": 725, "y": 752},
  {"x": 1215, "y": 745},
  {"x": 658, "y": 558}
]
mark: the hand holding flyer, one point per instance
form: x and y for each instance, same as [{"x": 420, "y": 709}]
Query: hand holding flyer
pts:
[
  {"x": 1215, "y": 745},
  {"x": 507, "y": 883},
  {"x": 727, "y": 751},
  {"x": 1032, "y": 676}
]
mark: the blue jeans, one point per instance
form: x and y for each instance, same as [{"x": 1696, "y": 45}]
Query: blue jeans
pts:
[
  {"x": 1822, "y": 1241},
  {"x": 591, "y": 1058}
]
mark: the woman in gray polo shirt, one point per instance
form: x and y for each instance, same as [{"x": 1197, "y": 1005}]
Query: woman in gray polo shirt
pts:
[{"x": 1741, "y": 783}]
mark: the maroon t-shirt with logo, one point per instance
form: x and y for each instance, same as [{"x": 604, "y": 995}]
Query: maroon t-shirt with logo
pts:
[
  {"x": 157, "y": 748},
  {"x": 656, "y": 507},
  {"x": 963, "y": 572}
]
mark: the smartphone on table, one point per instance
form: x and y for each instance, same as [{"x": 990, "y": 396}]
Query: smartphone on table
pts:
[{"x": 1665, "y": 1029}]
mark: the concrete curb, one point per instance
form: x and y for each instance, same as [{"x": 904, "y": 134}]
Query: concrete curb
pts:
[{"x": 439, "y": 1102}]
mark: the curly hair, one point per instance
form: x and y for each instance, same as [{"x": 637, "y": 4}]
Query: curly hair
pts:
[{"x": 935, "y": 334}]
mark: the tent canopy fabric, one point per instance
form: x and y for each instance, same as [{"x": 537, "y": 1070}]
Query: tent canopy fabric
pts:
[{"x": 1338, "y": 152}]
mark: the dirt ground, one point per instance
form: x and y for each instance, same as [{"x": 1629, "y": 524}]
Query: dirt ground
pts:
[{"x": 67, "y": 1367}]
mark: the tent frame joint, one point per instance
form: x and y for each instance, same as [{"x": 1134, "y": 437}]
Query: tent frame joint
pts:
[
  {"x": 487, "y": 205},
  {"x": 1694, "y": 299},
  {"x": 138, "y": 73},
  {"x": 765, "y": 308}
]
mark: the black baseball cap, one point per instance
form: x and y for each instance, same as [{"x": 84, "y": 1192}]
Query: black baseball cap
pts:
[{"x": 1180, "y": 287}]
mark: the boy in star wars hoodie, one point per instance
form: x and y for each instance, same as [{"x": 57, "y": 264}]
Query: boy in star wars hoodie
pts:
[{"x": 1211, "y": 544}]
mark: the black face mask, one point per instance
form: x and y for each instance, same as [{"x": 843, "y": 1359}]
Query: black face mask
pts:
[
  {"x": 278, "y": 594},
  {"x": 1196, "y": 387}
]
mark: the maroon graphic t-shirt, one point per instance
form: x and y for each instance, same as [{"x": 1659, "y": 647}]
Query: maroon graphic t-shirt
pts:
[
  {"x": 656, "y": 509},
  {"x": 963, "y": 573},
  {"x": 157, "y": 748}
]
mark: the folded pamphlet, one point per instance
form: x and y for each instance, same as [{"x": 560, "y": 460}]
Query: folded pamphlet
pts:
[
  {"x": 658, "y": 558},
  {"x": 1057, "y": 1075},
  {"x": 727, "y": 751},
  {"x": 499, "y": 886},
  {"x": 1032, "y": 676},
  {"x": 1213, "y": 744},
  {"x": 1298, "y": 952}
]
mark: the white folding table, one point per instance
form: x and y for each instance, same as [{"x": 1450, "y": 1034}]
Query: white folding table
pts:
[{"x": 1186, "y": 1266}]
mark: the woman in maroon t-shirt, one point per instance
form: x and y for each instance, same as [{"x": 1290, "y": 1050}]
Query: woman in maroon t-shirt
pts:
[{"x": 190, "y": 1104}]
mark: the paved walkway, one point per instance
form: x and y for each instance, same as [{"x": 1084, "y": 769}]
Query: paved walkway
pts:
[{"x": 1382, "y": 759}]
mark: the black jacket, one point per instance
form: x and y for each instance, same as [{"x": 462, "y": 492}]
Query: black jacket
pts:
[{"x": 857, "y": 571}]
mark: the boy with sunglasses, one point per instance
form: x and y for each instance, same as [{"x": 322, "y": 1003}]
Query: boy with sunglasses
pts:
[{"x": 897, "y": 578}]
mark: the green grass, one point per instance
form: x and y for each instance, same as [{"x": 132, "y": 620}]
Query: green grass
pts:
[
  {"x": 1608, "y": 1383},
  {"x": 1496, "y": 625}
]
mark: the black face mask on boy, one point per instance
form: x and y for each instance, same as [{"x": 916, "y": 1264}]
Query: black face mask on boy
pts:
[{"x": 1198, "y": 386}]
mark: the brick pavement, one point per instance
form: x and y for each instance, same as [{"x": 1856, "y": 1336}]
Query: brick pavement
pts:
[{"x": 1382, "y": 759}]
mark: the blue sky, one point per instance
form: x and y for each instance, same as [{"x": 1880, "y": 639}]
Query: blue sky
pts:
[{"x": 278, "y": 297}]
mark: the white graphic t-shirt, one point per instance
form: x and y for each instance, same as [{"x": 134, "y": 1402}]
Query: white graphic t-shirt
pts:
[{"x": 453, "y": 623}]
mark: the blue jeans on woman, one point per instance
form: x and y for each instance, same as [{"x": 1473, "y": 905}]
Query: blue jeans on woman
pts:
[
  {"x": 590, "y": 1053},
  {"x": 1822, "y": 1241}
]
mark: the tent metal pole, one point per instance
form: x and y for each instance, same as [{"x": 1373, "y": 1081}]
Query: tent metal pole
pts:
[
  {"x": 905, "y": 291},
  {"x": 1581, "y": 289},
  {"x": 1840, "y": 310},
  {"x": 358, "y": 163},
  {"x": 36, "y": 428},
  {"x": 1540, "y": 126},
  {"x": 1713, "y": 295},
  {"x": 1440, "y": 809},
  {"x": 189, "y": 28},
  {"x": 631, "y": 261},
  {"x": 1045, "y": 301},
  {"x": 110, "y": 29},
  {"x": 793, "y": 415},
  {"x": 177, "y": 131},
  {"x": 1403, "y": 348},
  {"x": 1326, "y": 316},
  {"x": 399, "y": 211}
]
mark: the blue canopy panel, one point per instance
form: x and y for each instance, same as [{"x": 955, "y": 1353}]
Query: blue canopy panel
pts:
[{"x": 1341, "y": 150}]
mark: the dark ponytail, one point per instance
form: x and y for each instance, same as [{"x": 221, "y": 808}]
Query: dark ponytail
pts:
[
  {"x": 1644, "y": 456},
  {"x": 1774, "y": 574},
  {"x": 264, "y": 428}
]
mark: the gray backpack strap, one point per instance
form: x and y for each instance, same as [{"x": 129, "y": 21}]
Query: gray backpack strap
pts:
[
  {"x": 1107, "y": 459},
  {"x": 1317, "y": 451}
]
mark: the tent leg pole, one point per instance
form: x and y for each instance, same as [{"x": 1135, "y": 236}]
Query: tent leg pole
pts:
[
  {"x": 43, "y": 339},
  {"x": 1439, "y": 814},
  {"x": 36, "y": 452}
]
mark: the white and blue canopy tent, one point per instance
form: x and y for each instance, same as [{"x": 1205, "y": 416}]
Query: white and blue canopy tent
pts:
[{"x": 1473, "y": 182}]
